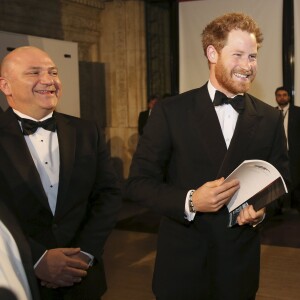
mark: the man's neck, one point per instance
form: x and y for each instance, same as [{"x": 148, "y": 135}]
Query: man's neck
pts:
[{"x": 24, "y": 115}]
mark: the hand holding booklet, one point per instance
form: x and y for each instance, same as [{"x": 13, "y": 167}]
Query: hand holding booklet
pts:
[{"x": 260, "y": 184}]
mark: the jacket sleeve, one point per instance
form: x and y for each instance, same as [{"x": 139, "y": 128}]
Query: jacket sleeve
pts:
[{"x": 146, "y": 183}]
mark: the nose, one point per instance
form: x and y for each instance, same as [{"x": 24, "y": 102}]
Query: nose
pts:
[
  {"x": 46, "y": 78},
  {"x": 246, "y": 64}
]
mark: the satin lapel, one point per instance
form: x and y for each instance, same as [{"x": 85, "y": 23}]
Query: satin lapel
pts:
[
  {"x": 14, "y": 145},
  {"x": 204, "y": 121},
  {"x": 67, "y": 147},
  {"x": 245, "y": 129}
]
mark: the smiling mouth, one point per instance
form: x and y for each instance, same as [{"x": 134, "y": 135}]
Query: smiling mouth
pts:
[
  {"x": 46, "y": 92},
  {"x": 242, "y": 76}
]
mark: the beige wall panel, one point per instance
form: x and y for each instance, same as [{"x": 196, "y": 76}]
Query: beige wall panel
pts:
[{"x": 123, "y": 50}]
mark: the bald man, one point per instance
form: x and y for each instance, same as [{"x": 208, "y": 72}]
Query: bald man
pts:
[{"x": 58, "y": 174}]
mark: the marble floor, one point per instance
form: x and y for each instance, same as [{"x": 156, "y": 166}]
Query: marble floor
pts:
[{"x": 129, "y": 259}]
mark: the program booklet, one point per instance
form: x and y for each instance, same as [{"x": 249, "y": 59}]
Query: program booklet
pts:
[{"x": 260, "y": 184}]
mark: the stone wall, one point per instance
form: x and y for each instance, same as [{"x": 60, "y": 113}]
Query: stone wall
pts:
[{"x": 123, "y": 52}]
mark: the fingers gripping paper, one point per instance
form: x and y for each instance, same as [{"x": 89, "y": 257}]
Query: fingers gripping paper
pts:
[{"x": 260, "y": 184}]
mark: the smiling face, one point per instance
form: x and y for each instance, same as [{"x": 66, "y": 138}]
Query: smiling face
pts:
[
  {"x": 30, "y": 81},
  {"x": 234, "y": 68}
]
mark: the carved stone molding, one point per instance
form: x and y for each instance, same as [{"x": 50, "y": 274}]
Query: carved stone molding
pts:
[{"x": 81, "y": 24}]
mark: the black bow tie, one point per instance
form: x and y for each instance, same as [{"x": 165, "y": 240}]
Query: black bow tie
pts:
[
  {"x": 238, "y": 102},
  {"x": 30, "y": 126}
]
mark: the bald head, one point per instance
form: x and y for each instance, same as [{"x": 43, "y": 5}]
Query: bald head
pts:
[
  {"x": 16, "y": 55},
  {"x": 29, "y": 79}
]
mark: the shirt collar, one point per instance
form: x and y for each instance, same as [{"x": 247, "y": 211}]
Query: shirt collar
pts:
[
  {"x": 211, "y": 90},
  {"x": 21, "y": 115},
  {"x": 285, "y": 108}
]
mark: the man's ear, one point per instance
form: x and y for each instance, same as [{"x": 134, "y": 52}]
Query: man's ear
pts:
[
  {"x": 212, "y": 54},
  {"x": 5, "y": 86}
]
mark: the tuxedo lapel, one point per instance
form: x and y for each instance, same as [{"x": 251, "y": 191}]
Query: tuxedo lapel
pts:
[
  {"x": 18, "y": 155},
  {"x": 67, "y": 147},
  {"x": 245, "y": 130},
  {"x": 207, "y": 127}
]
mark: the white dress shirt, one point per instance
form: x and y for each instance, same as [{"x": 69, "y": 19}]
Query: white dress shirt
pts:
[
  {"x": 44, "y": 149},
  {"x": 12, "y": 274}
]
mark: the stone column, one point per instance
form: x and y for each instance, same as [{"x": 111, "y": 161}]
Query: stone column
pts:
[{"x": 123, "y": 51}]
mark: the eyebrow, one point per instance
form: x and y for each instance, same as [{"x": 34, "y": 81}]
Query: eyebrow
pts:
[{"x": 39, "y": 68}]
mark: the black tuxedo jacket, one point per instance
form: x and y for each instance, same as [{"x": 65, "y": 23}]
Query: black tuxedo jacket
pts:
[
  {"x": 294, "y": 144},
  {"x": 88, "y": 194},
  {"x": 183, "y": 144},
  {"x": 12, "y": 225}
]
